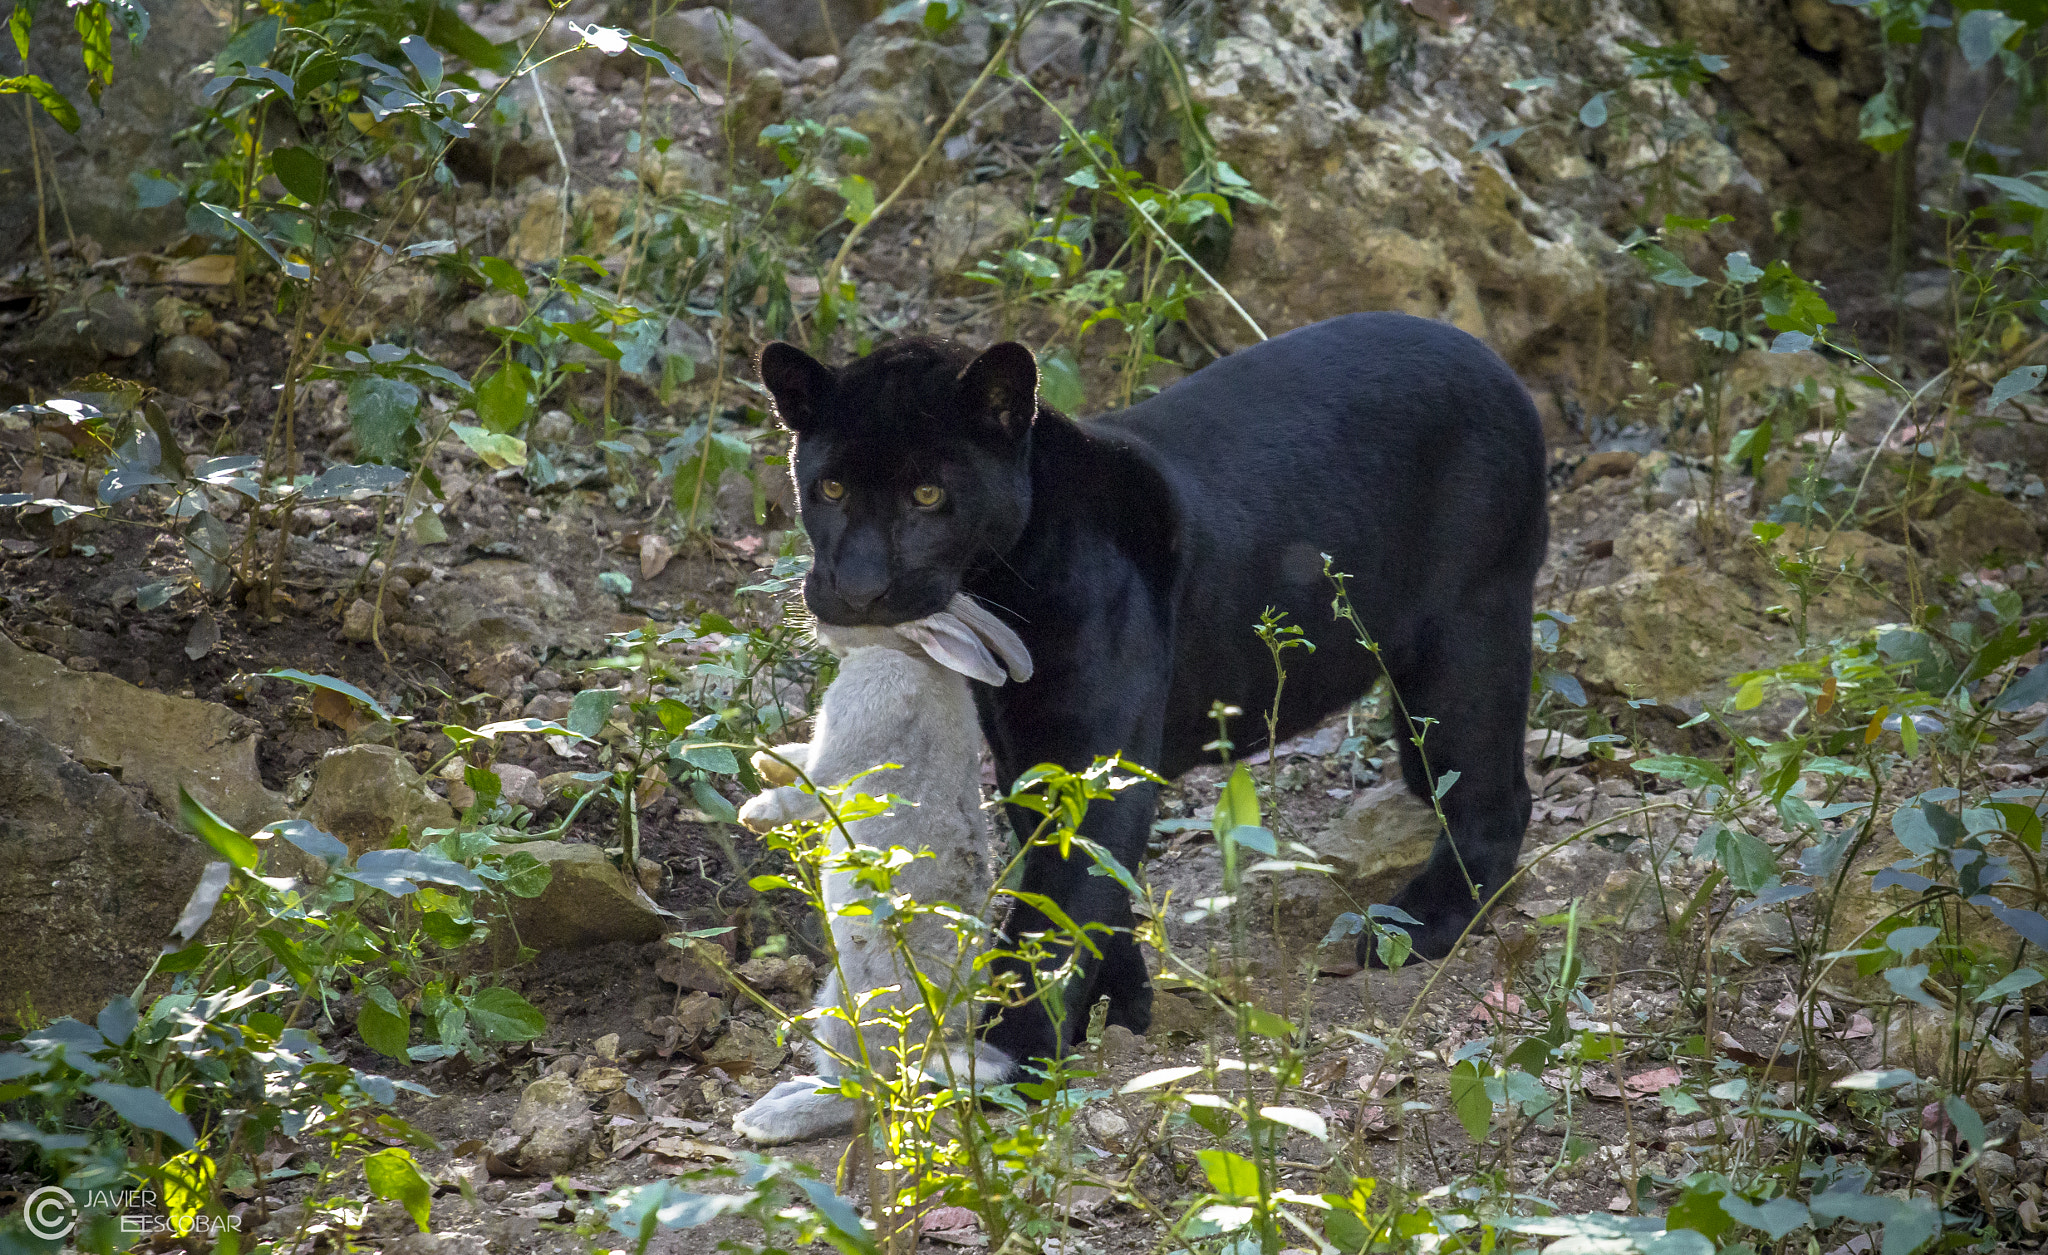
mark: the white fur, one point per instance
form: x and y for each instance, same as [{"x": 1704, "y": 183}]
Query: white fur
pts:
[{"x": 901, "y": 698}]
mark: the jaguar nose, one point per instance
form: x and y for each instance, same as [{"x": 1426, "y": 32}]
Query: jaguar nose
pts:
[{"x": 860, "y": 592}]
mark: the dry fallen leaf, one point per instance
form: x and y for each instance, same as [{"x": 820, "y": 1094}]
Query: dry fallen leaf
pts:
[
  {"x": 212, "y": 270},
  {"x": 655, "y": 552}
]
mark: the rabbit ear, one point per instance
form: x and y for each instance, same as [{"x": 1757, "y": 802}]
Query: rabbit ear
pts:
[
  {"x": 950, "y": 644},
  {"x": 994, "y": 633}
]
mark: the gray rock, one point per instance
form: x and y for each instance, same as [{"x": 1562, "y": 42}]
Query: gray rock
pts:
[
  {"x": 188, "y": 364},
  {"x": 808, "y": 28},
  {"x": 149, "y": 738},
  {"x": 153, "y": 96},
  {"x": 82, "y": 334},
  {"x": 695, "y": 966},
  {"x": 364, "y": 794},
  {"x": 974, "y": 222},
  {"x": 698, "y": 38},
  {"x": 495, "y": 603},
  {"x": 589, "y": 902},
  {"x": 1372, "y": 849},
  {"x": 745, "y": 1047},
  {"x": 891, "y": 76},
  {"x": 90, "y": 883},
  {"x": 551, "y": 1130}
]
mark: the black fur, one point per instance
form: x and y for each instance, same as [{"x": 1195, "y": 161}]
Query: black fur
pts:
[{"x": 1133, "y": 552}]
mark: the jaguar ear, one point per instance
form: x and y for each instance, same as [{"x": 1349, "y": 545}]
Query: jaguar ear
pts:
[
  {"x": 798, "y": 382},
  {"x": 1000, "y": 388}
]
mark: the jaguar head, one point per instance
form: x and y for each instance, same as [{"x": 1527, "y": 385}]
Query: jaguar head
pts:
[{"x": 911, "y": 465}]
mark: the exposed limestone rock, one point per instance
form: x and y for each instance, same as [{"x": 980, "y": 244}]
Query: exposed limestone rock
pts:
[
  {"x": 90, "y": 883},
  {"x": 146, "y": 737},
  {"x": 588, "y": 902}
]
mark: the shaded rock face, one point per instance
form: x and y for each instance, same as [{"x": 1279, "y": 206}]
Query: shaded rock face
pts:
[
  {"x": 90, "y": 883},
  {"x": 1380, "y": 201},
  {"x": 808, "y": 28},
  {"x": 154, "y": 94},
  {"x": 149, "y": 738}
]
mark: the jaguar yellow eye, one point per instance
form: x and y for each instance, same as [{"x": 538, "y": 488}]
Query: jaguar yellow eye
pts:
[
  {"x": 831, "y": 489},
  {"x": 927, "y": 496}
]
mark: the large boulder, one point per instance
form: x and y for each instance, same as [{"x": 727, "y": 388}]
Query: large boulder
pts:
[
  {"x": 709, "y": 42},
  {"x": 364, "y": 794},
  {"x": 90, "y": 883},
  {"x": 148, "y": 738},
  {"x": 808, "y": 28},
  {"x": 154, "y": 95},
  {"x": 893, "y": 74},
  {"x": 1383, "y": 198}
]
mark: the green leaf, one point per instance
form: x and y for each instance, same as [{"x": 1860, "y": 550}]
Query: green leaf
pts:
[
  {"x": 446, "y": 931},
  {"x": 2020, "y": 978},
  {"x": 498, "y": 450},
  {"x": 1230, "y": 1175},
  {"x": 18, "y": 26},
  {"x": 715, "y": 758},
  {"x": 384, "y": 414},
  {"x": 712, "y": 803},
  {"x": 504, "y": 401},
  {"x": 1905, "y": 982},
  {"x": 2015, "y": 383},
  {"x": 1882, "y": 124},
  {"x": 589, "y": 709},
  {"x": 1751, "y": 694},
  {"x": 423, "y": 58},
  {"x": 383, "y": 1024},
  {"x": 1594, "y": 112},
  {"x": 582, "y": 334},
  {"x": 1059, "y": 381},
  {"x": 503, "y": 275},
  {"x": 1238, "y": 807},
  {"x": 503, "y": 1015},
  {"x": 1777, "y": 1217},
  {"x": 1468, "y": 1099},
  {"x": 292, "y": 269},
  {"x": 302, "y": 172},
  {"x": 342, "y": 687},
  {"x": 1740, "y": 269},
  {"x": 1791, "y": 303},
  {"x": 2018, "y": 189},
  {"x": 216, "y": 832},
  {"x": 392, "y": 1174},
  {"x": 1904, "y": 941},
  {"x": 1267, "y": 1024},
  {"x": 38, "y": 89},
  {"x": 1667, "y": 267},
  {"x": 525, "y": 875},
  {"x": 145, "y": 1109},
  {"x": 1982, "y": 32},
  {"x": 859, "y": 195}
]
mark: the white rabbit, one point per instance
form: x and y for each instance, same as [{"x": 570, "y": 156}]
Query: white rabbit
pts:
[{"x": 901, "y": 698}]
